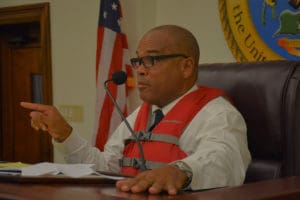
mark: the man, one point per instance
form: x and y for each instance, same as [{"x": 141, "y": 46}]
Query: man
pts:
[{"x": 200, "y": 142}]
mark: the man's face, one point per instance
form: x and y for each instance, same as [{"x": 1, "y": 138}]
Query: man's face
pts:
[{"x": 163, "y": 82}]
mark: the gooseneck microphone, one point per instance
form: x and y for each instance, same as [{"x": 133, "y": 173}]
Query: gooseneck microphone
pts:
[{"x": 120, "y": 77}]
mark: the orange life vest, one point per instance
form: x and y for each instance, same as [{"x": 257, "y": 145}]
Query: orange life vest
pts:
[{"x": 161, "y": 145}]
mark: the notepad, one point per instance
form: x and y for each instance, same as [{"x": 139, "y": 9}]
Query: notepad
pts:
[{"x": 4, "y": 164}]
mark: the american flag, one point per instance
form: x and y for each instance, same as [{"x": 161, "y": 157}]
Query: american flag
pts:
[{"x": 112, "y": 55}]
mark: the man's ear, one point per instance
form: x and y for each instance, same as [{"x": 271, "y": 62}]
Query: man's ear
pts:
[{"x": 188, "y": 67}]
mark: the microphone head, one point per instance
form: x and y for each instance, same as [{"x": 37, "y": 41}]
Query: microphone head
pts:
[{"x": 119, "y": 77}]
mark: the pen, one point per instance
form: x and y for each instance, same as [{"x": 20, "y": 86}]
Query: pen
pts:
[
  {"x": 5, "y": 170},
  {"x": 10, "y": 172}
]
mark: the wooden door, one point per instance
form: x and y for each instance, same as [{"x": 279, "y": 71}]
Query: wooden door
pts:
[{"x": 25, "y": 76}]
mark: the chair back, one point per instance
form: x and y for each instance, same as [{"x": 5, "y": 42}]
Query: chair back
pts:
[{"x": 268, "y": 96}]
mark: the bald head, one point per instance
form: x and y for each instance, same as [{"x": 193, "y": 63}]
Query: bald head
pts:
[{"x": 178, "y": 38}]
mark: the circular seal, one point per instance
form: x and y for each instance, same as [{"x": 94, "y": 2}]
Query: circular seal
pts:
[{"x": 261, "y": 30}]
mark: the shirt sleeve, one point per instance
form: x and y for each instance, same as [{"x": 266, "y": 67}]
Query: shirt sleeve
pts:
[
  {"x": 216, "y": 144},
  {"x": 76, "y": 149}
]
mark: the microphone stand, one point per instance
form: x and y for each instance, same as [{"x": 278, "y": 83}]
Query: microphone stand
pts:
[{"x": 143, "y": 162}]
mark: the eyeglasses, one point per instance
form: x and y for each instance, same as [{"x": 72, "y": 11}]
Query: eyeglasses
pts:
[{"x": 149, "y": 61}]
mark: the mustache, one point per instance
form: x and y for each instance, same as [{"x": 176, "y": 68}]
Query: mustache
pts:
[{"x": 142, "y": 81}]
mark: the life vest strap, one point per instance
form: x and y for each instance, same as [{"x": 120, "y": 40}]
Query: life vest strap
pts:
[
  {"x": 158, "y": 137},
  {"x": 136, "y": 163}
]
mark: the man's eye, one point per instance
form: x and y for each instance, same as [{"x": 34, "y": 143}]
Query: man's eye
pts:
[{"x": 147, "y": 59}]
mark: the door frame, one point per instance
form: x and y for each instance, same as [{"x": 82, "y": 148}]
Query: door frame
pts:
[
  {"x": 34, "y": 13},
  {"x": 27, "y": 14}
]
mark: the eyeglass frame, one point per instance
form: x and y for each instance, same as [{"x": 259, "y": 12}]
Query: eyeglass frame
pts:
[{"x": 152, "y": 59}]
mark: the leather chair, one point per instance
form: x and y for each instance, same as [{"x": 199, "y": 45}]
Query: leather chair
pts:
[{"x": 268, "y": 96}]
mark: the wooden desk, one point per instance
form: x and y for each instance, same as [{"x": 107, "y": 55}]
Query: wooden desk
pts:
[{"x": 287, "y": 189}]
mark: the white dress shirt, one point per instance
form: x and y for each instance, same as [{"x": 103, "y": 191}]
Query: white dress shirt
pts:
[{"x": 215, "y": 142}]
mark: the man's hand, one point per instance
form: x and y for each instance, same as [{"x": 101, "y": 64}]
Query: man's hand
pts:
[
  {"x": 48, "y": 118},
  {"x": 168, "y": 178}
]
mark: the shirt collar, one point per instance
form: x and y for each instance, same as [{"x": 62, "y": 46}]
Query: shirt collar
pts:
[{"x": 168, "y": 107}]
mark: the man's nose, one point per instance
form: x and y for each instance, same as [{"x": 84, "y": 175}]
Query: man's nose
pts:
[{"x": 141, "y": 69}]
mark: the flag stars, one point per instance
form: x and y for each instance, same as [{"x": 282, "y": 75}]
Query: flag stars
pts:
[
  {"x": 114, "y": 6},
  {"x": 110, "y": 14},
  {"x": 104, "y": 14}
]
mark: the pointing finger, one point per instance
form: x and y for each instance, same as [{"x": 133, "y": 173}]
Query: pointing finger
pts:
[{"x": 34, "y": 106}]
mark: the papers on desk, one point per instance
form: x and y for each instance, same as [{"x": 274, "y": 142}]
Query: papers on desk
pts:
[
  {"x": 11, "y": 168},
  {"x": 4, "y": 164},
  {"x": 69, "y": 170}
]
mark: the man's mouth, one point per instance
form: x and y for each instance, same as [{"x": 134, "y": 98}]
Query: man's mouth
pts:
[{"x": 142, "y": 85}]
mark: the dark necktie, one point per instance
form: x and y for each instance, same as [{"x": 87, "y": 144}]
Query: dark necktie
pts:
[{"x": 158, "y": 117}]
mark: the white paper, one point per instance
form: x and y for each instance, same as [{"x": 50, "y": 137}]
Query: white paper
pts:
[
  {"x": 40, "y": 169},
  {"x": 70, "y": 170}
]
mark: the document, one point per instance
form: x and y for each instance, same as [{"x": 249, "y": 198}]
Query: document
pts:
[
  {"x": 57, "y": 169},
  {"x": 70, "y": 170}
]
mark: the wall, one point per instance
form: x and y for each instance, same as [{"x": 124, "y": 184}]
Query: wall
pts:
[
  {"x": 73, "y": 42},
  {"x": 202, "y": 19}
]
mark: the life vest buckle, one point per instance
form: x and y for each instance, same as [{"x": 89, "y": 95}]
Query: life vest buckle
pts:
[
  {"x": 144, "y": 135},
  {"x": 130, "y": 162}
]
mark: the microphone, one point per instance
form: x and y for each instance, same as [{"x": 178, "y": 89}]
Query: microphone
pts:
[{"x": 120, "y": 77}]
